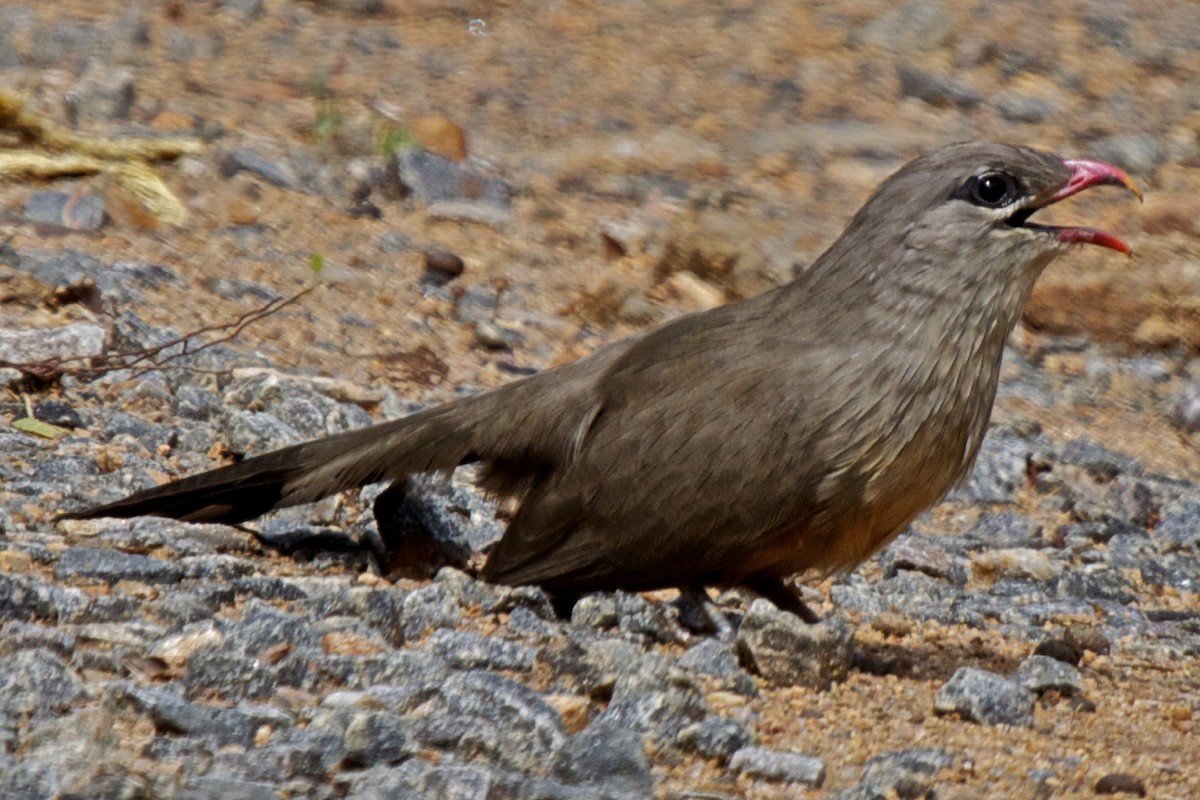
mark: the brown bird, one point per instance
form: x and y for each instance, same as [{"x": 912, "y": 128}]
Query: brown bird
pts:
[{"x": 796, "y": 431}]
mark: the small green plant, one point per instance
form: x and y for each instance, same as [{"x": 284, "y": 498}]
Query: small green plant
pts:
[
  {"x": 329, "y": 119},
  {"x": 390, "y": 137},
  {"x": 316, "y": 262}
]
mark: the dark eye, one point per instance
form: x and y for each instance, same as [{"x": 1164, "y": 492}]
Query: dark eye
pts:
[{"x": 992, "y": 189}]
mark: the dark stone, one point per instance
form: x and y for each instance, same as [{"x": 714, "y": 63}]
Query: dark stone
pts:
[
  {"x": 57, "y": 412},
  {"x": 715, "y": 737},
  {"x": 441, "y": 267},
  {"x": 422, "y": 528},
  {"x": 643, "y": 619},
  {"x": 1121, "y": 783},
  {"x": 308, "y": 754},
  {"x": 174, "y": 715},
  {"x": 606, "y": 756},
  {"x": 151, "y": 437},
  {"x": 91, "y": 563},
  {"x": 984, "y": 697},
  {"x": 1060, "y": 650}
]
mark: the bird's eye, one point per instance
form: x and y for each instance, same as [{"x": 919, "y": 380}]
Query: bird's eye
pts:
[{"x": 992, "y": 189}]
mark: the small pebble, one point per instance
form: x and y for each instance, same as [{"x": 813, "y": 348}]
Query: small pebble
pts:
[
  {"x": 441, "y": 267},
  {"x": 1121, "y": 783}
]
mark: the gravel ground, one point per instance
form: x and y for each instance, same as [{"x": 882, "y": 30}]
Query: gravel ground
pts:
[{"x": 493, "y": 189}]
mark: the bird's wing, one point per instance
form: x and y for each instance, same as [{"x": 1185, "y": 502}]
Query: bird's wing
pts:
[{"x": 706, "y": 446}]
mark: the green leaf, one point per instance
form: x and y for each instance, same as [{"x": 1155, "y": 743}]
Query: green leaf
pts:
[{"x": 39, "y": 428}]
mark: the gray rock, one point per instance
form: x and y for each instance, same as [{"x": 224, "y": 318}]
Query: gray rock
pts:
[
  {"x": 1000, "y": 467},
  {"x": 491, "y": 336},
  {"x": 641, "y": 618},
  {"x": 80, "y": 213},
  {"x": 427, "y": 608},
  {"x": 1185, "y": 411},
  {"x": 788, "y": 652},
  {"x": 598, "y": 611},
  {"x": 470, "y": 650},
  {"x": 1025, "y": 108},
  {"x": 174, "y": 715},
  {"x": 422, "y": 523},
  {"x": 1138, "y": 153},
  {"x": 1179, "y": 528},
  {"x": 377, "y": 737},
  {"x": 245, "y": 160},
  {"x": 925, "y": 554},
  {"x": 607, "y": 758},
  {"x": 91, "y": 563},
  {"x": 600, "y": 664},
  {"x": 1005, "y": 529},
  {"x": 716, "y": 737},
  {"x": 936, "y": 90},
  {"x": 658, "y": 714},
  {"x": 490, "y": 598},
  {"x": 205, "y": 787},
  {"x": 1042, "y": 674},
  {"x": 918, "y": 26},
  {"x": 434, "y": 178},
  {"x": 28, "y": 598},
  {"x": 778, "y": 767},
  {"x": 717, "y": 660},
  {"x": 985, "y": 697},
  {"x": 253, "y": 433},
  {"x": 485, "y": 715},
  {"x": 909, "y": 773},
  {"x": 1102, "y": 462},
  {"x": 37, "y": 683},
  {"x": 77, "y": 340}
]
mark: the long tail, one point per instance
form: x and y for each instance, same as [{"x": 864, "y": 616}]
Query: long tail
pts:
[
  {"x": 433, "y": 440},
  {"x": 516, "y": 430}
]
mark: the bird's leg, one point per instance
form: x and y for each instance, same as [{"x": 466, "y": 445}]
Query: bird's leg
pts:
[
  {"x": 696, "y": 596},
  {"x": 784, "y": 596}
]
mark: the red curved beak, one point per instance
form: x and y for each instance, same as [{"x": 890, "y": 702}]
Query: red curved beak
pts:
[{"x": 1085, "y": 174}]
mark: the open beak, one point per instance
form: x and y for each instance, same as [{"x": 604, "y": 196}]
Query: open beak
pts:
[{"x": 1084, "y": 175}]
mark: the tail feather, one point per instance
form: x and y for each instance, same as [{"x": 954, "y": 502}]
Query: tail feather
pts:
[
  {"x": 519, "y": 432},
  {"x": 304, "y": 473}
]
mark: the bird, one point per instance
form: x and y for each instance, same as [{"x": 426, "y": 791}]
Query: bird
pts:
[{"x": 793, "y": 433}]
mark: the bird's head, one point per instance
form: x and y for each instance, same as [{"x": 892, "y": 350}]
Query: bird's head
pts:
[{"x": 960, "y": 216}]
